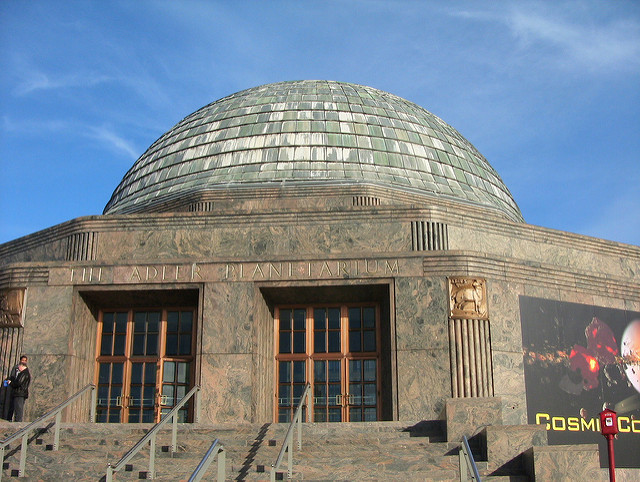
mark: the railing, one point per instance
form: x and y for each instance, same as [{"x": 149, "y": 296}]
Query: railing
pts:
[
  {"x": 286, "y": 445},
  {"x": 55, "y": 412},
  {"x": 468, "y": 469},
  {"x": 150, "y": 436},
  {"x": 215, "y": 449}
]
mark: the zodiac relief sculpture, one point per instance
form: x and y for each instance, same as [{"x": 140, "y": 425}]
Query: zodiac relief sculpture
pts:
[
  {"x": 11, "y": 304},
  {"x": 468, "y": 298}
]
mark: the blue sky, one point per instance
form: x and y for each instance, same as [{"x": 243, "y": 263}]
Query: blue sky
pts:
[{"x": 549, "y": 92}]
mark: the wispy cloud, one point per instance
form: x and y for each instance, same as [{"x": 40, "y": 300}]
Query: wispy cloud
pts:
[
  {"x": 106, "y": 136},
  {"x": 568, "y": 41},
  {"x": 24, "y": 127},
  {"x": 615, "y": 44},
  {"x": 35, "y": 80},
  {"x": 112, "y": 140}
]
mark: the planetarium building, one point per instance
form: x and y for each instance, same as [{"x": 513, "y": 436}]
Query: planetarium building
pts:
[{"x": 332, "y": 234}]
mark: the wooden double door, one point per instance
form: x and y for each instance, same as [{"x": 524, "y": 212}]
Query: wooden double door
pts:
[
  {"x": 145, "y": 364},
  {"x": 336, "y": 350}
]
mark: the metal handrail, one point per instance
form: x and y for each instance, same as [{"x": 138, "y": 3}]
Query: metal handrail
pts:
[
  {"x": 151, "y": 436},
  {"x": 37, "y": 423},
  {"x": 468, "y": 468},
  {"x": 286, "y": 445},
  {"x": 215, "y": 449}
]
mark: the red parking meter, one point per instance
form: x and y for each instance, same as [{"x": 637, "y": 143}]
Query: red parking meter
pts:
[{"x": 609, "y": 428}]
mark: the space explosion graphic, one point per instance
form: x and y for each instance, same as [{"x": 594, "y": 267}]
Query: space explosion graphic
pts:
[{"x": 578, "y": 360}]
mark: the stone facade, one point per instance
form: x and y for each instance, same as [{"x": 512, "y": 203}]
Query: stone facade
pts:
[{"x": 239, "y": 263}]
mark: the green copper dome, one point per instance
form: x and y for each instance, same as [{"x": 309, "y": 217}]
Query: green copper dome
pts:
[{"x": 311, "y": 132}]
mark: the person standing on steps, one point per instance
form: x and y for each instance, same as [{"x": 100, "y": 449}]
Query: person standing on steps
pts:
[{"x": 19, "y": 381}]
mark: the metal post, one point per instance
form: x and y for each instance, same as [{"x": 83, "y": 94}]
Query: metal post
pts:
[
  {"x": 612, "y": 462},
  {"x": 464, "y": 477},
  {"x": 290, "y": 459},
  {"x": 174, "y": 433},
  {"x": 197, "y": 403},
  {"x": 1, "y": 461},
  {"x": 94, "y": 403},
  {"x": 56, "y": 431},
  {"x": 152, "y": 456},
  {"x": 23, "y": 454},
  {"x": 299, "y": 424},
  {"x": 221, "y": 465}
]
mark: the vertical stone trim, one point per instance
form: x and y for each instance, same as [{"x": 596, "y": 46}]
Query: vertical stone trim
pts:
[
  {"x": 366, "y": 201},
  {"x": 429, "y": 236},
  {"x": 470, "y": 353},
  {"x": 82, "y": 246},
  {"x": 469, "y": 338}
]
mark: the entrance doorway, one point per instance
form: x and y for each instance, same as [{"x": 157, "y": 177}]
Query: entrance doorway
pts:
[
  {"x": 145, "y": 364},
  {"x": 336, "y": 349}
]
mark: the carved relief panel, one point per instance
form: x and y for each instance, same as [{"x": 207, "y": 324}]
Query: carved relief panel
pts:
[
  {"x": 11, "y": 307},
  {"x": 468, "y": 298}
]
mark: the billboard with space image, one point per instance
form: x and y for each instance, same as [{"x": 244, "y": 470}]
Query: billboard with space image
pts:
[{"x": 578, "y": 360}]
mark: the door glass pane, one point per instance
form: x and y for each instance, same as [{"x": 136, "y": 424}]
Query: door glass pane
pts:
[
  {"x": 319, "y": 319},
  {"x": 186, "y": 321},
  {"x": 355, "y": 370},
  {"x": 172, "y": 344},
  {"x": 136, "y": 373},
  {"x": 334, "y": 370},
  {"x": 298, "y": 372},
  {"x": 173, "y": 321},
  {"x": 369, "y": 341},
  {"x": 169, "y": 371},
  {"x": 116, "y": 373},
  {"x": 299, "y": 319},
  {"x": 119, "y": 342},
  {"x": 319, "y": 371},
  {"x": 107, "y": 344},
  {"x": 299, "y": 342},
  {"x": 334, "y": 318},
  {"x": 369, "y": 370},
  {"x": 355, "y": 344},
  {"x": 369, "y": 318},
  {"x": 355, "y": 414},
  {"x": 107, "y": 322},
  {"x": 183, "y": 373},
  {"x": 354, "y": 318},
  {"x": 334, "y": 341}
]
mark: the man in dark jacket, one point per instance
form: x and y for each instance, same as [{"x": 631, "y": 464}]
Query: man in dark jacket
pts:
[{"x": 19, "y": 380}]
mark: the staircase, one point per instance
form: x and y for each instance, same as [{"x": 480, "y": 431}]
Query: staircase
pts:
[
  {"x": 426, "y": 450},
  {"x": 346, "y": 451}
]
